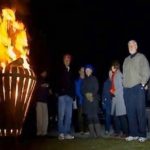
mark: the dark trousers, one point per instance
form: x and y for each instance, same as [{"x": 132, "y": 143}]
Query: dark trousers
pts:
[
  {"x": 79, "y": 120},
  {"x": 82, "y": 120},
  {"x": 92, "y": 118},
  {"x": 135, "y": 105},
  {"x": 107, "y": 116},
  {"x": 120, "y": 124}
]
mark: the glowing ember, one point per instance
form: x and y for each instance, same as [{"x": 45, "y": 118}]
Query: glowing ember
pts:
[{"x": 13, "y": 39}]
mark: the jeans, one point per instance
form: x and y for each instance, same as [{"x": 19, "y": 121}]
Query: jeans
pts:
[
  {"x": 65, "y": 103},
  {"x": 107, "y": 116}
]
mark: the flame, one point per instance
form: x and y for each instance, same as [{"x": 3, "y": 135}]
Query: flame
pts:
[{"x": 13, "y": 39}]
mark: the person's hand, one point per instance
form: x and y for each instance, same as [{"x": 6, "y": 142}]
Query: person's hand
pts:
[
  {"x": 44, "y": 85},
  {"x": 112, "y": 95},
  {"x": 146, "y": 87},
  {"x": 89, "y": 96},
  {"x": 50, "y": 92},
  {"x": 143, "y": 86}
]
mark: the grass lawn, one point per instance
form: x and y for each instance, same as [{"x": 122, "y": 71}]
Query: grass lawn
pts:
[{"x": 77, "y": 144}]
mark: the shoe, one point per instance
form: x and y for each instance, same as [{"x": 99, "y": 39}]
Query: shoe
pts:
[
  {"x": 142, "y": 139},
  {"x": 107, "y": 133},
  {"x": 131, "y": 138},
  {"x": 123, "y": 136},
  {"x": 115, "y": 135},
  {"x": 61, "y": 136},
  {"x": 69, "y": 137},
  {"x": 81, "y": 133},
  {"x": 87, "y": 133}
]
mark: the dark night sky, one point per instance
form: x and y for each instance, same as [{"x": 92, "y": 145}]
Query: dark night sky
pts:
[{"x": 93, "y": 31}]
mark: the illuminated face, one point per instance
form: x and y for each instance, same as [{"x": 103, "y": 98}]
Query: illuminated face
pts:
[
  {"x": 67, "y": 60},
  {"x": 132, "y": 46},
  {"x": 88, "y": 71},
  {"x": 113, "y": 68},
  {"x": 44, "y": 74},
  {"x": 81, "y": 72}
]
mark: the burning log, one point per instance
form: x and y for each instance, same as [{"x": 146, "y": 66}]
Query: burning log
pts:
[{"x": 18, "y": 62}]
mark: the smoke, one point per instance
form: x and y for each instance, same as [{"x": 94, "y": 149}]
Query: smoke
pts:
[{"x": 22, "y": 7}]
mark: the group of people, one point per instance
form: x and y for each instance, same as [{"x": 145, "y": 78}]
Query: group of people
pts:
[{"x": 123, "y": 98}]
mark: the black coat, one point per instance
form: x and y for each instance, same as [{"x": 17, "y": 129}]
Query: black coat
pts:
[
  {"x": 90, "y": 85},
  {"x": 66, "y": 82},
  {"x": 42, "y": 92}
]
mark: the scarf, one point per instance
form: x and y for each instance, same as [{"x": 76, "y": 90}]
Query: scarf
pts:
[{"x": 112, "y": 89}]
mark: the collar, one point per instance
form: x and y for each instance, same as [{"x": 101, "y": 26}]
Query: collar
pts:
[{"x": 133, "y": 55}]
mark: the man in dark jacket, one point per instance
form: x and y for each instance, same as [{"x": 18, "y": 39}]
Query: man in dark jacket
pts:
[{"x": 65, "y": 99}]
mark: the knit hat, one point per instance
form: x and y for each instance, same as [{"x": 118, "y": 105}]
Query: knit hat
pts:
[{"x": 89, "y": 66}]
